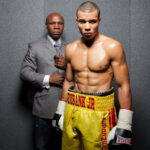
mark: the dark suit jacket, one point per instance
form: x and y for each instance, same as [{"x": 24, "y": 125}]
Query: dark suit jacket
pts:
[{"x": 38, "y": 62}]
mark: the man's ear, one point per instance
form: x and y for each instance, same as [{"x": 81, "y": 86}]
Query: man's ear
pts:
[
  {"x": 76, "y": 19},
  {"x": 46, "y": 26},
  {"x": 99, "y": 20}
]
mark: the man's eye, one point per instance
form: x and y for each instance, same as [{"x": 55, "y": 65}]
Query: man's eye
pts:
[
  {"x": 60, "y": 23},
  {"x": 51, "y": 23},
  {"x": 82, "y": 21},
  {"x": 93, "y": 21}
]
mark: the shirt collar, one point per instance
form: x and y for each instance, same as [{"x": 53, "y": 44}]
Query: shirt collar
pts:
[{"x": 54, "y": 41}]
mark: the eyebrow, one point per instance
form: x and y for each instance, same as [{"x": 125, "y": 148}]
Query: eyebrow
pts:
[
  {"x": 86, "y": 20},
  {"x": 55, "y": 22}
]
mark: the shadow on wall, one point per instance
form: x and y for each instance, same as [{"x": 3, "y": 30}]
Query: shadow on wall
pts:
[{"x": 26, "y": 95}]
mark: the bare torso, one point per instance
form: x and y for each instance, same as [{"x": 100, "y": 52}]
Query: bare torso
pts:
[{"x": 92, "y": 70}]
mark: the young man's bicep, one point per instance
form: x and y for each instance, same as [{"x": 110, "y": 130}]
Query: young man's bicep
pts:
[{"x": 121, "y": 76}]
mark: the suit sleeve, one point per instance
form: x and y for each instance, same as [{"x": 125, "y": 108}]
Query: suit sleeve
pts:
[{"x": 29, "y": 69}]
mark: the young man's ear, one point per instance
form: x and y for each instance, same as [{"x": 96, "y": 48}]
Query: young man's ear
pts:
[
  {"x": 99, "y": 20},
  {"x": 76, "y": 19}
]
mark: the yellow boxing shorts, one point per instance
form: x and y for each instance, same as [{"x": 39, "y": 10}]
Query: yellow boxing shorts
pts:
[{"x": 88, "y": 119}]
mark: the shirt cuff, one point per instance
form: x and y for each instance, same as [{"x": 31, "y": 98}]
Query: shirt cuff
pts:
[{"x": 46, "y": 82}]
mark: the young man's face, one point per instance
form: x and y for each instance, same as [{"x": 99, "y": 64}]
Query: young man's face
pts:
[
  {"x": 55, "y": 26},
  {"x": 88, "y": 23}
]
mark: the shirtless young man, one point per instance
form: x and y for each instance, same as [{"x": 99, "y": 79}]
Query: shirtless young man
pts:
[{"x": 90, "y": 121}]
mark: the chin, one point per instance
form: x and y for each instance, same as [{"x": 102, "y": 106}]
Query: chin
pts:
[
  {"x": 56, "y": 37},
  {"x": 88, "y": 38}
]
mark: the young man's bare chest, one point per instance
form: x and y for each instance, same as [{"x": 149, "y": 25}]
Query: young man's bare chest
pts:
[{"x": 94, "y": 59}]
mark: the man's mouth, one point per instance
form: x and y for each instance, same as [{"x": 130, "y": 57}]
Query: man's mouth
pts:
[
  {"x": 87, "y": 34},
  {"x": 56, "y": 33}
]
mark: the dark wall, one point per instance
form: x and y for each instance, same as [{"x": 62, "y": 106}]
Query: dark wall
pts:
[
  {"x": 23, "y": 21},
  {"x": 140, "y": 71}
]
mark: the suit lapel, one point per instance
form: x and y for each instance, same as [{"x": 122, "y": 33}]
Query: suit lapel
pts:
[{"x": 49, "y": 45}]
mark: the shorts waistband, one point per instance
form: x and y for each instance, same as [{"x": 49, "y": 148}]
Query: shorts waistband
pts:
[
  {"x": 100, "y": 101},
  {"x": 108, "y": 92}
]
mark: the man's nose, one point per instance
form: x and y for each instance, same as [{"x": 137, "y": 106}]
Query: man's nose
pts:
[
  {"x": 87, "y": 27},
  {"x": 56, "y": 26}
]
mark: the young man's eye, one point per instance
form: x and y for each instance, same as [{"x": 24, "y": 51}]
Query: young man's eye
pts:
[
  {"x": 82, "y": 21},
  {"x": 93, "y": 21}
]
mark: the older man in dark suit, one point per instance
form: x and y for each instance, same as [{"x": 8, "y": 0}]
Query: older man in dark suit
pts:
[{"x": 44, "y": 66}]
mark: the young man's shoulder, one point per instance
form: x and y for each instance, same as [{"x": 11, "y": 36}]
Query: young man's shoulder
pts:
[
  {"x": 109, "y": 41},
  {"x": 71, "y": 47},
  {"x": 113, "y": 47}
]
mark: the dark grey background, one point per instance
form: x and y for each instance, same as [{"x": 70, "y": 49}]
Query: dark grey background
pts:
[{"x": 22, "y": 21}]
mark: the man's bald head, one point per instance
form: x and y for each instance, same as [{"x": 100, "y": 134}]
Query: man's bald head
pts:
[
  {"x": 55, "y": 25},
  {"x": 88, "y": 7},
  {"x": 52, "y": 15}
]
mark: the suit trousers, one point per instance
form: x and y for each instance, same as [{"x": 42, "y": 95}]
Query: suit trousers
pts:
[{"x": 45, "y": 135}]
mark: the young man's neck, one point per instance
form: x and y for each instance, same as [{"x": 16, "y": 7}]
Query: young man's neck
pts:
[{"x": 90, "y": 42}]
